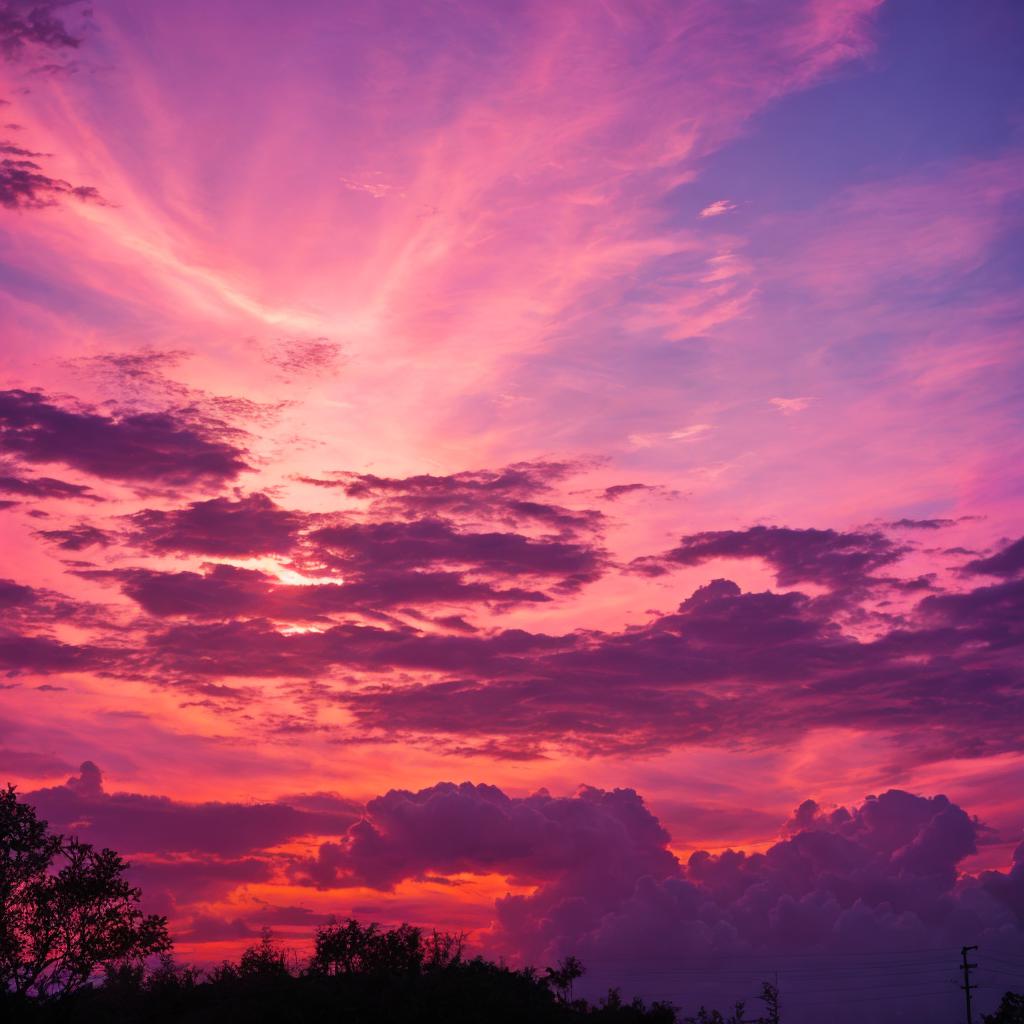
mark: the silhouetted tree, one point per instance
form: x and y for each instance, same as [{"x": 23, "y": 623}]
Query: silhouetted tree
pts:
[
  {"x": 614, "y": 1008},
  {"x": 561, "y": 978},
  {"x": 66, "y": 912},
  {"x": 1009, "y": 1011},
  {"x": 705, "y": 1016},
  {"x": 265, "y": 959},
  {"x": 770, "y": 997},
  {"x": 351, "y": 948},
  {"x": 443, "y": 949}
]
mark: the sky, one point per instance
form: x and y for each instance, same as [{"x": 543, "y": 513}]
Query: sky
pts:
[{"x": 539, "y": 469}]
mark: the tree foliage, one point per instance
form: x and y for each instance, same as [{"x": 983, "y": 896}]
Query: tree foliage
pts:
[
  {"x": 1009, "y": 1011},
  {"x": 67, "y": 914}
]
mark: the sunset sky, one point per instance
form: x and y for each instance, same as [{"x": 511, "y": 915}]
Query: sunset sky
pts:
[{"x": 614, "y": 406}]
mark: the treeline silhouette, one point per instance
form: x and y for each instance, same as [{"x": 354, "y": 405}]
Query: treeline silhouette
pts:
[{"x": 76, "y": 947}]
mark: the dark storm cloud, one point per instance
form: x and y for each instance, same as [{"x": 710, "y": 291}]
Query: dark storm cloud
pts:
[
  {"x": 253, "y": 525},
  {"x": 829, "y": 557},
  {"x": 154, "y": 448}
]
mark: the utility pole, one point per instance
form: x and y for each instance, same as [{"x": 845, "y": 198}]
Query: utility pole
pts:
[{"x": 967, "y": 986}]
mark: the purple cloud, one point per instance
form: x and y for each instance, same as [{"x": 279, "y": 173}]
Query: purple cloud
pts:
[
  {"x": 229, "y": 592},
  {"x": 44, "y": 487},
  {"x": 78, "y": 538},
  {"x": 830, "y": 557},
  {"x": 1008, "y": 562},
  {"x": 26, "y": 23},
  {"x": 507, "y": 495},
  {"x": 133, "y": 823},
  {"x": 25, "y": 186},
  {"x": 447, "y": 829},
  {"x": 14, "y": 594},
  {"x": 922, "y": 524},
  {"x": 425, "y": 543},
  {"x": 44, "y": 655},
  {"x": 253, "y": 525},
  {"x": 155, "y": 448}
]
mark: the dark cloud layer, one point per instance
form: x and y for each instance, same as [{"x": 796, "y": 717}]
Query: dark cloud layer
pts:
[
  {"x": 828, "y": 557},
  {"x": 43, "y": 487},
  {"x": 253, "y": 525},
  {"x": 43, "y": 655},
  {"x": 1007, "y": 562},
  {"x": 430, "y": 542},
  {"x": 133, "y": 823},
  {"x": 227, "y": 592},
  {"x": 748, "y": 667},
  {"x": 154, "y": 448}
]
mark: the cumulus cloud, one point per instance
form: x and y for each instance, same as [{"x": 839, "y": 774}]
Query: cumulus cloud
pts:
[
  {"x": 448, "y": 828},
  {"x": 154, "y": 448},
  {"x": 884, "y": 875}
]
